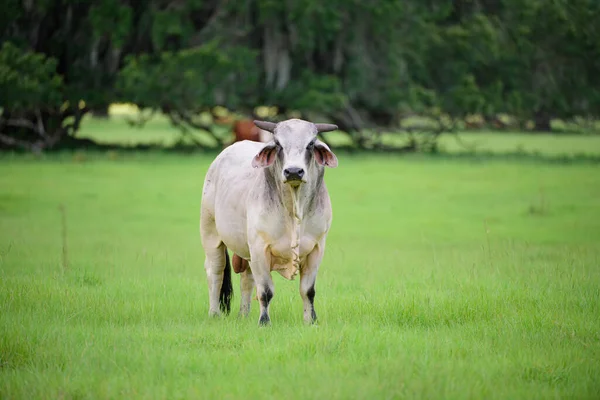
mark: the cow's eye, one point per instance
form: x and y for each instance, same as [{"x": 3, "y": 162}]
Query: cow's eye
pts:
[
  {"x": 310, "y": 146},
  {"x": 277, "y": 143}
]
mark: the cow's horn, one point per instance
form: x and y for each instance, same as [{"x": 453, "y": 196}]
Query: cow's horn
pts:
[
  {"x": 265, "y": 125},
  {"x": 326, "y": 127}
]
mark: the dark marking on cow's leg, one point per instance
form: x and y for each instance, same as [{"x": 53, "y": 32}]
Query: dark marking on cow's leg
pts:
[
  {"x": 310, "y": 293},
  {"x": 265, "y": 299},
  {"x": 311, "y": 297}
]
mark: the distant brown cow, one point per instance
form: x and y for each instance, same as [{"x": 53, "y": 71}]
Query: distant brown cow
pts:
[{"x": 244, "y": 129}]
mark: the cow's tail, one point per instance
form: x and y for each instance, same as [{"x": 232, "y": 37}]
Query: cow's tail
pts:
[{"x": 227, "y": 287}]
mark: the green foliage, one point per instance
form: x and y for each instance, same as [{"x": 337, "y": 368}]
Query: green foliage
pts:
[
  {"x": 546, "y": 52},
  {"x": 113, "y": 19},
  {"x": 310, "y": 92},
  {"x": 28, "y": 79},
  {"x": 9, "y": 11},
  {"x": 192, "y": 79},
  {"x": 169, "y": 24},
  {"x": 362, "y": 64}
]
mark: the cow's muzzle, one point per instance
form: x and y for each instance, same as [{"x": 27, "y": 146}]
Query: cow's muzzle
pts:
[{"x": 293, "y": 174}]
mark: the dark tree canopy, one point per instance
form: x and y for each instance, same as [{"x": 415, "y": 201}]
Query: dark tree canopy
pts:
[{"x": 360, "y": 64}]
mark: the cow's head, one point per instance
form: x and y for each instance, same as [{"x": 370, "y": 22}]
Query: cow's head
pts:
[{"x": 295, "y": 149}]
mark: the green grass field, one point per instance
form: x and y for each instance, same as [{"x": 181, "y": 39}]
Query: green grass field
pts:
[{"x": 444, "y": 277}]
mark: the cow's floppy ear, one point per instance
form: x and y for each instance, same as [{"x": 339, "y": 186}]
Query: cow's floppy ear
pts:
[
  {"x": 266, "y": 156},
  {"x": 324, "y": 155}
]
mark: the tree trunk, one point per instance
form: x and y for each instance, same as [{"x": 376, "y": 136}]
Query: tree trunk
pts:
[
  {"x": 542, "y": 122},
  {"x": 100, "y": 111}
]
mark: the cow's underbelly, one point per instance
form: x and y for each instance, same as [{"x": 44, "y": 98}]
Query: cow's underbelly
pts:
[
  {"x": 233, "y": 234},
  {"x": 285, "y": 260},
  {"x": 238, "y": 244},
  {"x": 231, "y": 227}
]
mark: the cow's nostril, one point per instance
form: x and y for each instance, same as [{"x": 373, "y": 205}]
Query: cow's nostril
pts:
[{"x": 293, "y": 173}]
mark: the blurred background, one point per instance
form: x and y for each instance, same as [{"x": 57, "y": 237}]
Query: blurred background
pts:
[
  {"x": 463, "y": 257},
  {"x": 393, "y": 75}
]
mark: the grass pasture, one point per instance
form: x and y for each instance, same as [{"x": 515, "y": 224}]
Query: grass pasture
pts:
[{"x": 443, "y": 278}]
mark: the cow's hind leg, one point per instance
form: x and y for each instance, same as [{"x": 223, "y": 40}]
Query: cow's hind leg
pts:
[
  {"x": 247, "y": 286},
  {"x": 218, "y": 272},
  {"x": 308, "y": 278}
]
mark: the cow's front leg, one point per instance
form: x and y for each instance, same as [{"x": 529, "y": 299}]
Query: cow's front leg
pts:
[
  {"x": 261, "y": 270},
  {"x": 308, "y": 277},
  {"x": 247, "y": 286}
]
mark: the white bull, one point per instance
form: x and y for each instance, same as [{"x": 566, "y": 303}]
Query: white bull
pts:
[{"x": 268, "y": 203}]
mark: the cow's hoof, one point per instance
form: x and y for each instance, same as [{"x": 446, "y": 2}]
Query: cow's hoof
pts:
[{"x": 264, "y": 320}]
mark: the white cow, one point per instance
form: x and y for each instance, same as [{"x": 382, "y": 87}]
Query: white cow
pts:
[{"x": 268, "y": 203}]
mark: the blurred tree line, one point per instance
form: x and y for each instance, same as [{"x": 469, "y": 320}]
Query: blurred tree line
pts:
[{"x": 365, "y": 65}]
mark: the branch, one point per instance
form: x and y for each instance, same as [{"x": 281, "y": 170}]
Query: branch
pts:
[
  {"x": 470, "y": 147},
  {"x": 357, "y": 122},
  {"x": 177, "y": 122},
  {"x": 20, "y": 123},
  {"x": 27, "y": 124},
  {"x": 181, "y": 119},
  {"x": 12, "y": 142},
  {"x": 452, "y": 130},
  {"x": 141, "y": 119},
  {"x": 77, "y": 117},
  {"x": 40, "y": 123},
  {"x": 203, "y": 33}
]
